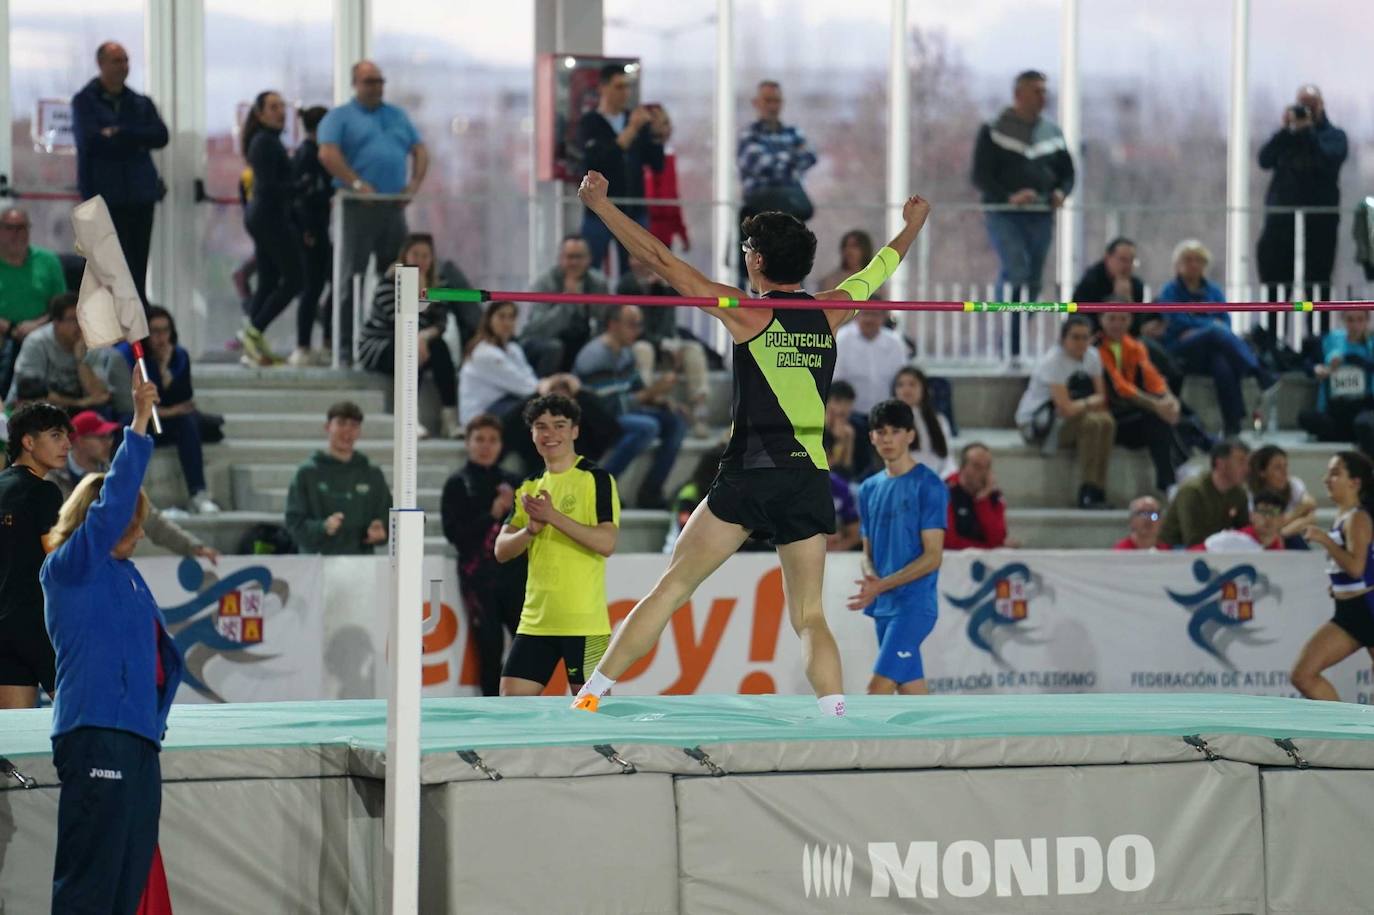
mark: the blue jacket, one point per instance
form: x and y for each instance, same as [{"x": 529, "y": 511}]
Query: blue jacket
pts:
[
  {"x": 1181, "y": 322},
  {"x": 102, "y": 618},
  {"x": 119, "y": 168}
]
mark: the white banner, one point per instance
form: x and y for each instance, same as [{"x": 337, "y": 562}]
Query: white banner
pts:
[{"x": 1010, "y": 621}]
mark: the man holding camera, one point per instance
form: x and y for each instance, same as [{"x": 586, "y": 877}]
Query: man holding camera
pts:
[{"x": 1305, "y": 155}]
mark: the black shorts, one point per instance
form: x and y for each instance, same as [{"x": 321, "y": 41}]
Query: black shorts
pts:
[
  {"x": 1354, "y": 615},
  {"x": 26, "y": 656},
  {"x": 786, "y": 504},
  {"x": 535, "y": 657}
]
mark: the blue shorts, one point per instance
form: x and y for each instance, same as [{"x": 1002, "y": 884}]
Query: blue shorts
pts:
[{"x": 899, "y": 646}]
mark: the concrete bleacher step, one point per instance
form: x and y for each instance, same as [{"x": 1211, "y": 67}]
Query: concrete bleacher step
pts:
[
  {"x": 308, "y": 402},
  {"x": 267, "y": 426}
]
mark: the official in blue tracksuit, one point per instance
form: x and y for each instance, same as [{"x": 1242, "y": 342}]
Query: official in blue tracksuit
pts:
[{"x": 117, "y": 671}]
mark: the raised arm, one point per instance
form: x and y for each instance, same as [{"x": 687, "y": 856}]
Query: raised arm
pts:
[
  {"x": 885, "y": 263},
  {"x": 641, "y": 243}
]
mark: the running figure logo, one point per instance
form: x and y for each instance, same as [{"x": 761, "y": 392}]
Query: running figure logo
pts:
[
  {"x": 999, "y": 607},
  {"x": 1223, "y": 609}
]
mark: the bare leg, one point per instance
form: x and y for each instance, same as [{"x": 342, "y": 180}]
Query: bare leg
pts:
[
  {"x": 803, "y": 578},
  {"x": 1329, "y": 645},
  {"x": 704, "y": 545},
  {"x": 882, "y": 686},
  {"x": 914, "y": 688},
  {"x": 18, "y": 696},
  {"x": 519, "y": 686}
]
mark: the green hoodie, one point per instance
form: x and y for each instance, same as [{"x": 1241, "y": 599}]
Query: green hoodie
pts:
[{"x": 324, "y": 485}]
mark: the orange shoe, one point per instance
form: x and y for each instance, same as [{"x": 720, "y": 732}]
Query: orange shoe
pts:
[{"x": 586, "y": 703}]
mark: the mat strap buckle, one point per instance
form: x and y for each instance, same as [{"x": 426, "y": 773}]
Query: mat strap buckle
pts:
[
  {"x": 8, "y": 770},
  {"x": 1197, "y": 743},
  {"x": 1286, "y": 745},
  {"x": 472, "y": 759},
  {"x": 608, "y": 751},
  {"x": 700, "y": 756}
]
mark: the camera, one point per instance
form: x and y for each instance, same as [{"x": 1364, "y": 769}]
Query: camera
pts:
[{"x": 1301, "y": 112}]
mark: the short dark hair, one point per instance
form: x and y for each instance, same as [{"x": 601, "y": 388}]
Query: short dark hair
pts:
[
  {"x": 344, "y": 409},
  {"x": 157, "y": 311},
  {"x": 1026, "y": 76},
  {"x": 482, "y": 421},
  {"x": 787, "y": 246},
  {"x": 311, "y": 117},
  {"x": 33, "y": 419},
  {"x": 1357, "y": 465},
  {"x": 554, "y": 405},
  {"x": 968, "y": 449},
  {"x": 1223, "y": 449},
  {"x": 1070, "y": 323},
  {"x": 768, "y": 84},
  {"x": 1118, "y": 242},
  {"x": 891, "y": 412},
  {"x": 1269, "y": 497},
  {"x": 100, "y": 50},
  {"x": 842, "y": 390},
  {"x": 59, "y": 304},
  {"x": 610, "y": 72}
]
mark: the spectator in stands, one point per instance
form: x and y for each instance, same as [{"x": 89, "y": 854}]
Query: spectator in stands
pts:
[
  {"x": 1345, "y": 398},
  {"x": 773, "y": 158},
  {"x": 665, "y": 219},
  {"x": 1205, "y": 343},
  {"x": 856, "y": 250},
  {"x": 56, "y": 354},
  {"x": 1305, "y": 154},
  {"x": 606, "y": 365},
  {"x": 868, "y": 355},
  {"x": 1024, "y": 169},
  {"x": 1262, "y": 533},
  {"x": 555, "y": 332},
  {"x": 267, "y": 216},
  {"x": 1065, "y": 405},
  {"x": 377, "y": 348},
  {"x": 665, "y": 343},
  {"x": 1146, "y": 412},
  {"x": 92, "y": 444},
  {"x": 1145, "y": 524},
  {"x": 476, "y": 500},
  {"x": 115, "y": 129},
  {"x": 1269, "y": 473},
  {"x": 618, "y": 143},
  {"x": 338, "y": 501},
  {"x": 366, "y": 145},
  {"x": 1210, "y": 502},
  {"x": 977, "y": 514},
  {"x": 169, "y": 367},
  {"x": 496, "y": 379},
  {"x": 839, "y": 437},
  {"x": 597, "y": 430},
  {"x": 933, "y": 434},
  {"x": 30, "y": 277},
  {"x": 314, "y": 190},
  {"x": 847, "y": 535},
  {"x": 1113, "y": 278}
]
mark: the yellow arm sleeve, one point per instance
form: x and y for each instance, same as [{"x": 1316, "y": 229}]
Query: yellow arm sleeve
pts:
[{"x": 862, "y": 284}]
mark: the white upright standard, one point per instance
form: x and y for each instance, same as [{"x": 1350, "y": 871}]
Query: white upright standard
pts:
[{"x": 407, "y": 562}]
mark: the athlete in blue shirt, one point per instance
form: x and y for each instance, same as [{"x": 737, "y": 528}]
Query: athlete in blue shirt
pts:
[{"x": 902, "y": 518}]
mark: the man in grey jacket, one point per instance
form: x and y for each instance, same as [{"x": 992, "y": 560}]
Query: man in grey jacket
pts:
[
  {"x": 555, "y": 333},
  {"x": 92, "y": 443}
]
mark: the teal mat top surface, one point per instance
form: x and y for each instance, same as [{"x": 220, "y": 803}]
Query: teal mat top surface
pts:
[{"x": 476, "y": 724}]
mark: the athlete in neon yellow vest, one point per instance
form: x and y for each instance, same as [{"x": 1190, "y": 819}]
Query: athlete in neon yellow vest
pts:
[{"x": 773, "y": 478}]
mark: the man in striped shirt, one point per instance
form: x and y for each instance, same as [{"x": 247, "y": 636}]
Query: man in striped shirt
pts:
[{"x": 772, "y": 158}]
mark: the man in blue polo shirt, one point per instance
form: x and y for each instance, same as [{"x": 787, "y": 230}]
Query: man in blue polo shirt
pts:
[
  {"x": 902, "y": 519},
  {"x": 366, "y": 145}
]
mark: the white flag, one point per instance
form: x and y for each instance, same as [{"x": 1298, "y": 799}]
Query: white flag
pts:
[{"x": 108, "y": 305}]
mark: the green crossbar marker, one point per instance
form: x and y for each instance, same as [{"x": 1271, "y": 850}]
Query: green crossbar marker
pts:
[
  {"x": 1021, "y": 306},
  {"x": 455, "y": 295}
]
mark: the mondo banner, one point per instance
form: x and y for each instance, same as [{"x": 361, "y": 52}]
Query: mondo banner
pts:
[{"x": 258, "y": 628}]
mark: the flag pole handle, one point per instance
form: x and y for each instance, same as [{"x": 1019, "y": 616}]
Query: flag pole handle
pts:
[{"x": 143, "y": 370}]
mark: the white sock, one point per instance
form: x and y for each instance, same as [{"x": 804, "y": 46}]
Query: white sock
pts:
[
  {"x": 597, "y": 685},
  {"x": 832, "y": 704}
]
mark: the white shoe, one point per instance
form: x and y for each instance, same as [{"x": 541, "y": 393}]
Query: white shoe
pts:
[
  {"x": 301, "y": 358},
  {"x": 201, "y": 504},
  {"x": 421, "y": 432},
  {"x": 448, "y": 423}
]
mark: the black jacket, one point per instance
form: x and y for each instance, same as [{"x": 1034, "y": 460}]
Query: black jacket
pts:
[
  {"x": 119, "y": 168},
  {"x": 1095, "y": 285},
  {"x": 1306, "y": 166},
  {"x": 313, "y": 187},
  {"x": 1011, "y": 154},
  {"x": 465, "y": 509},
  {"x": 272, "y": 186},
  {"x": 623, "y": 168}
]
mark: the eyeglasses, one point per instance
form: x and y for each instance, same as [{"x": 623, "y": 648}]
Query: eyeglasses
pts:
[
  {"x": 748, "y": 248},
  {"x": 1153, "y": 516},
  {"x": 373, "y": 81}
]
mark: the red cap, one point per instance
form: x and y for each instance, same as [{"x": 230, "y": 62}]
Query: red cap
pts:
[{"x": 89, "y": 422}]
